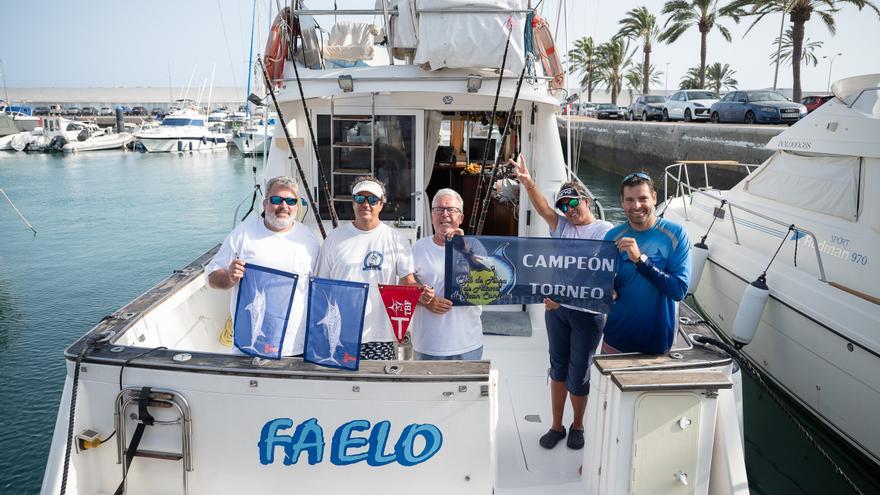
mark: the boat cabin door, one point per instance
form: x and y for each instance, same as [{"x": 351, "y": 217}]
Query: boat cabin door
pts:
[{"x": 355, "y": 141}]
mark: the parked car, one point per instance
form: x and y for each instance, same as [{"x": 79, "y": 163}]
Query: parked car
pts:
[
  {"x": 89, "y": 111},
  {"x": 608, "y": 111},
  {"x": 126, "y": 110},
  {"x": 139, "y": 111},
  {"x": 646, "y": 107},
  {"x": 56, "y": 109},
  {"x": 689, "y": 104},
  {"x": 106, "y": 111},
  {"x": 73, "y": 111},
  {"x": 757, "y": 107},
  {"x": 41, "y": 111},
  {"x": 587, "y": 109},
  {"x": 814, "y": 102}
]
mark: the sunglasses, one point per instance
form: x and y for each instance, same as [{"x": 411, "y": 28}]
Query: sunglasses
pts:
[
  {"x": 564, "y": 205},
  {"x": 636, "y": 175},
  {"x": 277, "y": 200},
  {"x": 371, "y": 200}
]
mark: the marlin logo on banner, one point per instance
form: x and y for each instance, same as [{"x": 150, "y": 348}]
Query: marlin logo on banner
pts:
[
  {"x": 400, "y": 303},
  {"x": 334, "y": 323},
  {"x": 262, "y": 310},
  {"x": 523, "y": 270}
]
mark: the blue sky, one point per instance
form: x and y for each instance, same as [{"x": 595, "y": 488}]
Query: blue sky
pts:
[{"x": 92, "y": 43}]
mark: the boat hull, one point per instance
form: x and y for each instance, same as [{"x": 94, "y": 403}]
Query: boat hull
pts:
[{"x": 181, "y": 144}]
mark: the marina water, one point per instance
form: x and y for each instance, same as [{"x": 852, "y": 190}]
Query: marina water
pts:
[{"x": 112, "y": 224}]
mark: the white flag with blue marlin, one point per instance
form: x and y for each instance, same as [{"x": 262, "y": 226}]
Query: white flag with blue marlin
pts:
[
  {"x": 262, "y": 310},
  {"x": 334, "y": 323}
]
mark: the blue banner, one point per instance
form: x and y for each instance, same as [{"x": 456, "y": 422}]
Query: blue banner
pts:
[
  {"x": 262, "y": 309},
  {"x": 335, "y": 322},
  {"x": 524, "y": 270}
]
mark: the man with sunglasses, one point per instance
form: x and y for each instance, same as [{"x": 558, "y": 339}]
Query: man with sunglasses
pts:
[
  {"x": 573, "y": 333},
  {"x": 274, "y": 240},
  {"x": 441, "y": 331},
  {"x": 652, "y": 273},
  {"x": 368, "y": 250}
]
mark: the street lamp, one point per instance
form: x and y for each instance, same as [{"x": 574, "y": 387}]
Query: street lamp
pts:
[{"x": 830, "y": 65}]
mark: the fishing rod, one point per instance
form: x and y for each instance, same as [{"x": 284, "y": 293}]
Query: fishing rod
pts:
[
  {"x": 479, "y": 188},
  {"x": 321, "y": 176},
  {"x": 484, "y": 209},
  {"x": 302, "y": 174}
]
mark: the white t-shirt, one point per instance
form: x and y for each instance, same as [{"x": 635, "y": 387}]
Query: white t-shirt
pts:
[
  {"x": 568, "y": 230},
  {"x": 457, "y": 331},
  {"x": 378, "y": 256},
  {"x": 294, "y": 251}
]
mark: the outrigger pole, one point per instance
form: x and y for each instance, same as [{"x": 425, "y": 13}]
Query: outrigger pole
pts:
[
  {"x": 495, "y": 167},
  {"x": 323, "y": 178},
  {"x": 302, "y": 175},
  {"x": 473, "y": 220},
  {"x": 23, "y": 219}
]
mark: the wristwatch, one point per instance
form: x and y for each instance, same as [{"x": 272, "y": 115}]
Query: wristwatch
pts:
[{"x": 643, "y": 258}]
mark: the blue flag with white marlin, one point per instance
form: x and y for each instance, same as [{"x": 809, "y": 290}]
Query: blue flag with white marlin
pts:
[
  {"x": 335, "y": 322},
  {"x": 498, "y": 270},
  {"x": 262, "y": 310}
]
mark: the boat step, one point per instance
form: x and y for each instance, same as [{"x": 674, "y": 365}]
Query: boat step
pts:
[{"x": 155, "y": 454}]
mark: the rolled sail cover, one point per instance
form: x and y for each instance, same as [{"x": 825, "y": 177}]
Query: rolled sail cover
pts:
[{"x": 467, "y": 41}]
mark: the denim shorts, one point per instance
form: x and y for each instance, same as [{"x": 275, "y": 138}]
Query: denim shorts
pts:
[{"x": 573, "y": 337}]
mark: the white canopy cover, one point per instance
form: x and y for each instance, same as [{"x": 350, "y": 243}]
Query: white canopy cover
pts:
[{"x": 823, "y": 184}]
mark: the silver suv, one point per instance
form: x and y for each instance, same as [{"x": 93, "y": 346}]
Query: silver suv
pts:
[{"x": 646, "y": 107}]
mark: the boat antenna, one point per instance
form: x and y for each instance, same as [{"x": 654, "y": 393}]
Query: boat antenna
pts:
[
  {"x": 473, "y": 221},
  {"x": 321, "y": 176},
  {"x": 511, "y": 115},
  {"x": 302, "y": 175},
  {"x": 23, "y": 219}
]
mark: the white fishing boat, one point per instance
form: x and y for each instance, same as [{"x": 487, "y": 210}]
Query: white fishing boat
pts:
[
  {"x": 254, "y": 139},
  {"x": 56, "y": 133},
  {"x": 106, "y": 141},
  {"x": 816, "y": 200},
  {"x": 183, "y": 131},
  {"x": 227, "y": 423}
]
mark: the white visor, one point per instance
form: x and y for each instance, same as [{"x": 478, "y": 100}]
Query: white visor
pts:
[{"x": 368, "y": 186}]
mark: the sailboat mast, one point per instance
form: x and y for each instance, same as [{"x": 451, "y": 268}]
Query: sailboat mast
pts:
[{"x": 247, "y": 106}]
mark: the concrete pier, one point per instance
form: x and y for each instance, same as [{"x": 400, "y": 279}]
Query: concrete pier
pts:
[{"x": 621, "y": 147}]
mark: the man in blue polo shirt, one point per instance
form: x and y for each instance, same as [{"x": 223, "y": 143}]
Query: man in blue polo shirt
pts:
[{"x": 652, "y": 274}]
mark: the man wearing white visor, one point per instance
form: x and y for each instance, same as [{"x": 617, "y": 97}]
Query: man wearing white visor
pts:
[{"x": 368, "y": 250}]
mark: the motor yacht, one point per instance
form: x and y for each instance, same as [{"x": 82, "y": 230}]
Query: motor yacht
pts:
[
  {"x": 809, "y": 219},
  {"x": 182, "y": 131},
  {"x": 253, "y": 139},
  {"x": 655, "y": 424}
]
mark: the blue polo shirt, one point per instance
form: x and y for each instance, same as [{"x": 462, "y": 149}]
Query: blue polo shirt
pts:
[{"x": 643, "y": 316}]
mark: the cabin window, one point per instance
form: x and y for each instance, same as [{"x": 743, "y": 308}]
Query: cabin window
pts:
[{"x": 388, "y": 153}]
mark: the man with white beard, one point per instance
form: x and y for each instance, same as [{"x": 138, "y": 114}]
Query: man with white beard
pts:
[{"x": 273, "y": 240}]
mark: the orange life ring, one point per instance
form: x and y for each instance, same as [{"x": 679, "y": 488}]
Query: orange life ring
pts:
[
  {"x": 277, "y": 46},
  {"x": 547, "y": 51}
]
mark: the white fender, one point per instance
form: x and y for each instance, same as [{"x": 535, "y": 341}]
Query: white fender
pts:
[
  {"x": 751, "y": 307},
  {"x": 699, "y": 255}
]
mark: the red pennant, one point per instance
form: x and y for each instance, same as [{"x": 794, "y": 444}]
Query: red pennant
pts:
[{"x": 400, "y": 304}]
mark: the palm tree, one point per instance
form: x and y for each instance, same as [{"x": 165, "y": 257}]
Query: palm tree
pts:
[
  {"x": 785, "y": 50},
  {"x": 582, "y": 58},
  {"x": 718, "y": 76},
  {"x": 799, "y": 12},
  {"x": 691, "y": 79},
  {"x": 641, "y": 25},
  {"x": 634, "y": 78},
  {"x": 704, "y": 14},
  {"x": 614, "y": 57}
]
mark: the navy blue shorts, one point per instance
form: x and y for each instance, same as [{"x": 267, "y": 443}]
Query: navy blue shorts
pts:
[{"x": 573, "y": 336}]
